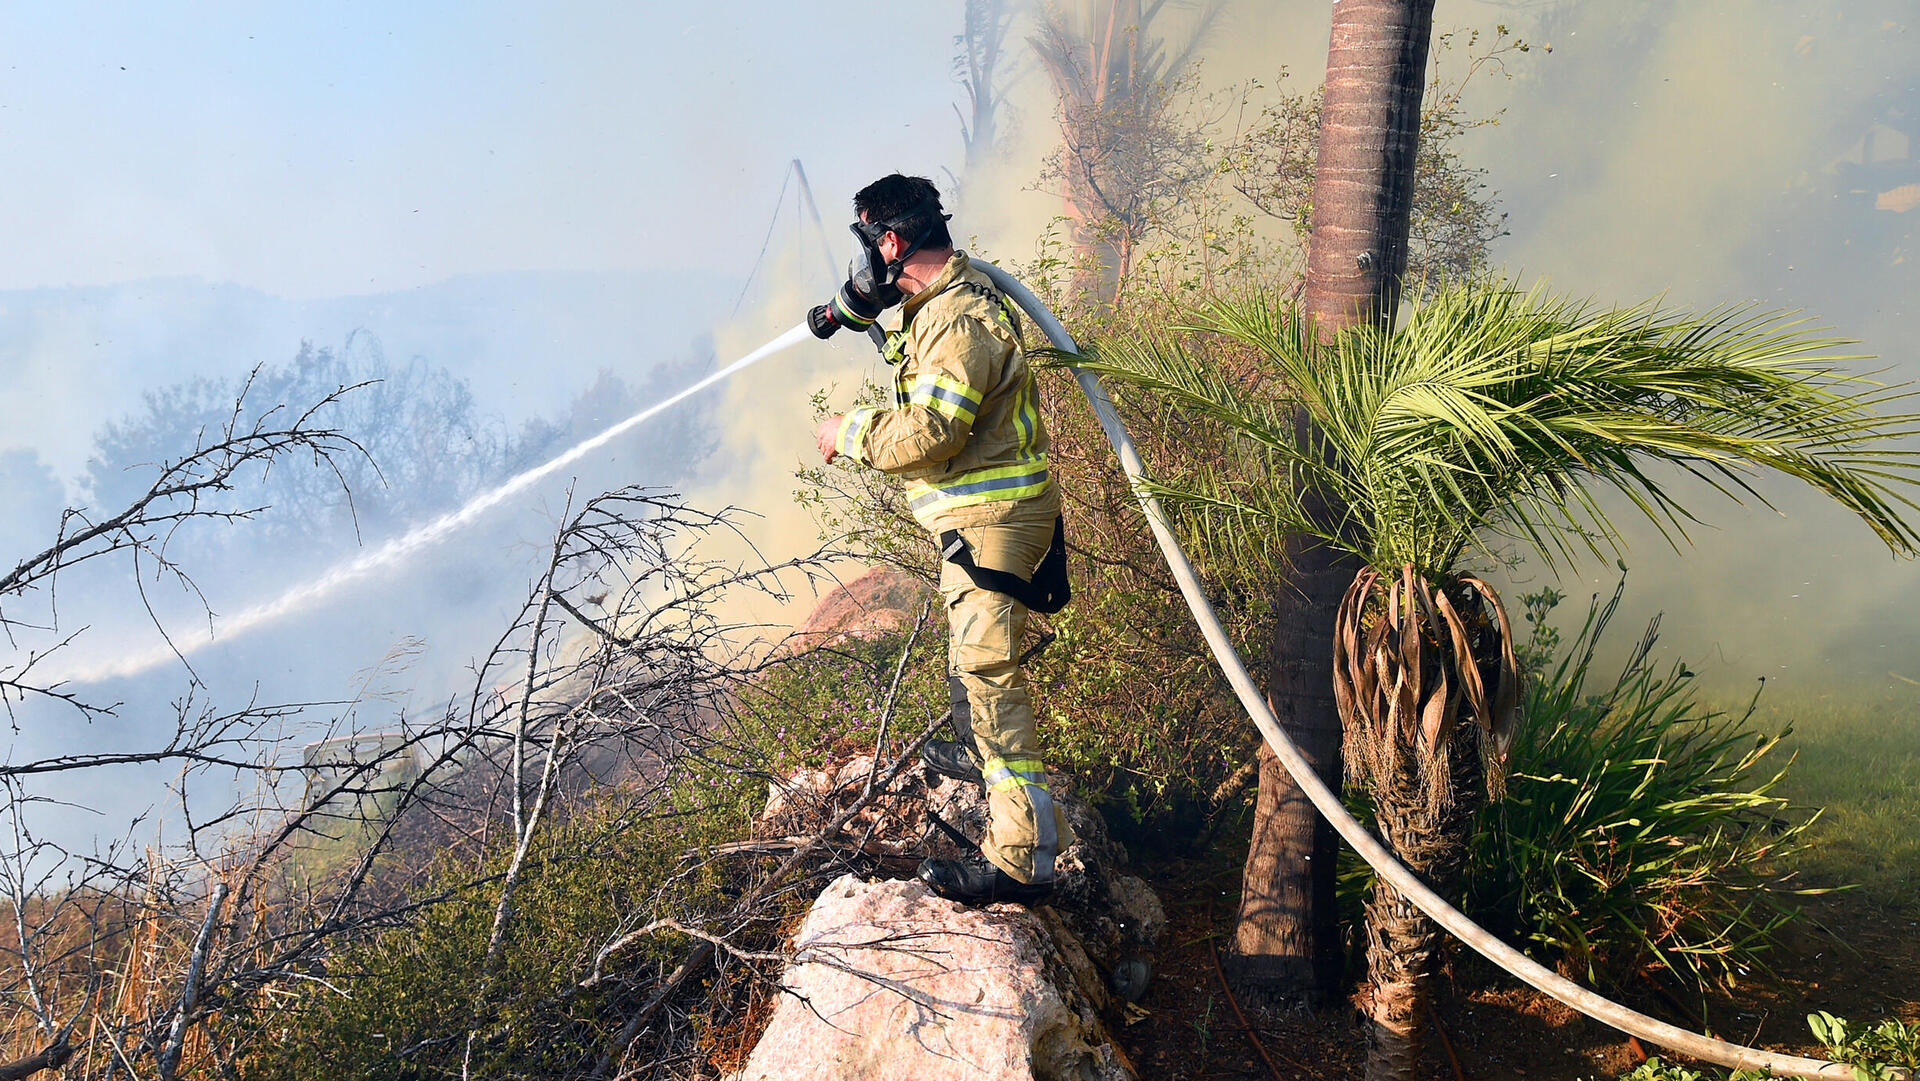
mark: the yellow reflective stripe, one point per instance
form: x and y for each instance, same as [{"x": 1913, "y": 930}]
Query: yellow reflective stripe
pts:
[
  {"x": 851, "y": 439},
  {"x": 846, "y": 316},
  {"x": 949, "y": 396},
  {"x": 970, "y": 395},
  {"x": 1026, "y": 417},
  {"x": 1031, "y": 770},
  {"x": 1006, "y": 774},
  {"x": 997, "y": 777},
  {"x": 990, "y": 485}
]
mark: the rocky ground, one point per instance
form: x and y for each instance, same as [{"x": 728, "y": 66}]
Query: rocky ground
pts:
[{"x": 1849, "y": 955}]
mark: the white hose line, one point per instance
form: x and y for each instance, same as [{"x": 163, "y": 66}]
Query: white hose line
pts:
[{"x": 1651, "y": 1029}]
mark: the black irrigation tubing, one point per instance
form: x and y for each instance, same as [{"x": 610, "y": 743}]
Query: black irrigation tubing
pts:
[{"x": 1602, "y": 1009}]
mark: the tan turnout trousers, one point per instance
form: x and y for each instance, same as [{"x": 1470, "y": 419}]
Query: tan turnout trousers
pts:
[
  {"x": 1026, "y": 829},
  {"x": 966, "y": 434}
]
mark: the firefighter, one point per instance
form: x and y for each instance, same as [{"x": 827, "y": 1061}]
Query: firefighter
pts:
[{"x": 965, "y": 435}]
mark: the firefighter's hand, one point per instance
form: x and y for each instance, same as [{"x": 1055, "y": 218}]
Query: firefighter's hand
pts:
[{"x": 824, "y": 436}]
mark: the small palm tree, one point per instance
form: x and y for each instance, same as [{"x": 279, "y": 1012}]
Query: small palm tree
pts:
[{"x": 1490, "y": 413}]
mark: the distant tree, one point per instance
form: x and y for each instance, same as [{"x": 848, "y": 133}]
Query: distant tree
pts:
[
  {"x": 670, "y": 445},
  {"x": 979, "y": 52},
  {"x": 1126, "y": 151},
  {"x": 1453, "y": 218},
  {"x": 427, "y": 444},
  {"x": 196, "y": 486},
  {"x": 1147, "y": 158}
]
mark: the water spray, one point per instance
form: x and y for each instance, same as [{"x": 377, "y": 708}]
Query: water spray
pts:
[
  {"x": 416, "y": 539},
  {"x": 1324, "y": 799}
]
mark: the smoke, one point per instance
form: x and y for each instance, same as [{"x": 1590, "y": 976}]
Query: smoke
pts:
[
  {"x": 419, "y": 539},
  {"x": 1710, "y": 152},
  {"x": 1718, "y": 153},
  {"x": 767, "y": 428}
]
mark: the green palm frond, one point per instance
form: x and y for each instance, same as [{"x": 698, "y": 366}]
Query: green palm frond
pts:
[{"x": 1497, "y": 411}]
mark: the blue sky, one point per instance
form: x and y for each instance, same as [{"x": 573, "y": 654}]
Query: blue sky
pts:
[{"x": 324, "y": 149}]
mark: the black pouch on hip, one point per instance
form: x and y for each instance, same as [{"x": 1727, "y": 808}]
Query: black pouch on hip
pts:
[{"x": 1046, "y": 593}]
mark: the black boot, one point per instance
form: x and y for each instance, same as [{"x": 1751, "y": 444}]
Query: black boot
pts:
[
  {"x": 958, "y": 757},
  {"x": 974, "y": 881},
  {"x": 950, "y": 759}
]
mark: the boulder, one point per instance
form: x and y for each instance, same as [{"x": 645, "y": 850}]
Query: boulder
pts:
[
  {"x": 1115, "y": 914},
  {"x": 884, "y": 601},
  {"x": 889, "y": 981}
]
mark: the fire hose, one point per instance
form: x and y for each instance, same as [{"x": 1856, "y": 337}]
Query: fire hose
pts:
[{"x": 1383, "y": 862}]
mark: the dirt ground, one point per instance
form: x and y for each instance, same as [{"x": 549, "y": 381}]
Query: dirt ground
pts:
[{"x": 1847, "y": 955}]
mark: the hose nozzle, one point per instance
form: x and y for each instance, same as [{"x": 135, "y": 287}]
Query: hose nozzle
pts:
[{"x": 848, "y": 308}]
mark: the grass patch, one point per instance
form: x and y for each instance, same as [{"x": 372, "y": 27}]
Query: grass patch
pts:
[{"x": 1858, "y": 755}]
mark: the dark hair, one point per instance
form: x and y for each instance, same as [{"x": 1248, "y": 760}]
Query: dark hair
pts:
[{"x": 911, "y": 204}]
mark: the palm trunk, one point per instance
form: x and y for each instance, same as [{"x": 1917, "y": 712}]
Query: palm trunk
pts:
[
  {"x": 1356, "y": 254},
  {"x": 1430, "y": 837},
  {"x": 1400, "y": 944},
  {"x": 1363, "y": 177},
  {"x": 1287, "y": 940}
]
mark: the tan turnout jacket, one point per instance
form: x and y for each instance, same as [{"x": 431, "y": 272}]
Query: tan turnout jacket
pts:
[{"x": 965, "y": 431}]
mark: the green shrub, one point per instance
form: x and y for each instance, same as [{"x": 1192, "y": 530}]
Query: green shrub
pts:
[
  {"x": 1656, "y": 1070},
  {"x": 398, "y": 1004},
  {"x": 829, "y": 702},
  {"x": 1873, "y": 1053},
  {"x": 1639, "y": 827}
]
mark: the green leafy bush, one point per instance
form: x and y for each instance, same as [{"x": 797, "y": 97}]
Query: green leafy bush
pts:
[
  {"x": 829, "y": 701},
  {"x": 1875, "y": 1054},
  {"x": 1639, "y": 828},
  {"x": 1654, "y": 1069}
]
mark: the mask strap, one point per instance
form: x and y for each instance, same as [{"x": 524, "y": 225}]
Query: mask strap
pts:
[{"x": 928, "y": 204}]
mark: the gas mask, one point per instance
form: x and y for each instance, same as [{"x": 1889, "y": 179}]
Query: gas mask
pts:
[{"x": 872, "y": 284}]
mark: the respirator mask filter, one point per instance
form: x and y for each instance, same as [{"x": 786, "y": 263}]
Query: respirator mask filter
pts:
[{"x": 872, "y": 284}]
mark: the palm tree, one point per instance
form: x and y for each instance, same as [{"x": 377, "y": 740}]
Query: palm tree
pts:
[
  {"x": 1285, "y": 941},
  {"x": 1490, "y": 413}
]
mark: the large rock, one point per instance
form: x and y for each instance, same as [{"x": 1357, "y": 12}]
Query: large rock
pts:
[
  {"x": 890, "y": 982},
  {"x": 884, "y": 601},
  {"x": 1115, "y": 914}
]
